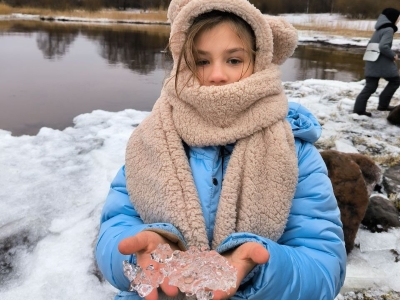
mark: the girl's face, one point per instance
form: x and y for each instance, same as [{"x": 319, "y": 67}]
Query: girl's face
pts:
[{"x": 222, "y": 56}]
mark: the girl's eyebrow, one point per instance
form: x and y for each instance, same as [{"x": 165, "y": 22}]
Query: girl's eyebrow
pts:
[
  {"x": 230, "y": 51},
  {"x": 233, "y": 50}
]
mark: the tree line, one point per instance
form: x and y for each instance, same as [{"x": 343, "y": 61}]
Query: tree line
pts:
[
  {"x": 91, "y": 5},
  {"x": 358, "y": 9}
]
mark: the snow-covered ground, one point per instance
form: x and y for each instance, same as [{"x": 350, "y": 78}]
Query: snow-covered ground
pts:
[
  {"x": 329, "y": 20},
  {"x": 333, "y": 21},
  {"x": 55, "y": 183}
]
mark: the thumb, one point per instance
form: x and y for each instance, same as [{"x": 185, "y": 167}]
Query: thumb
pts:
[
  {"x": 136, "y": 243},
  {"x": 128, "y": 245},
  {"x": 258, "y": 253}
]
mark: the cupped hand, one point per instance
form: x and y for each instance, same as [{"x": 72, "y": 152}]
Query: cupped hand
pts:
[
  {"x": 142, "y": 245},
  {"x": 244, "y": 258}
]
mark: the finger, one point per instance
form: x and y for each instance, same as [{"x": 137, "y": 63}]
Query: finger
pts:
[
  {"x": 153, "y": 295},
  {"x": 259, "y": 254},
  {"x": 169, "y": 290},
  {"x": 134, "y": 244},
  {"x": 254, "y": 252},
  {"x": 219, "y": 295}
]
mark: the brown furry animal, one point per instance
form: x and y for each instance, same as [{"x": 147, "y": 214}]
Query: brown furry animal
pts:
[
  {"x": 394, "y": 116},
  {"x": 349, "y": 174},
  {"x": 370, "y": 171}
]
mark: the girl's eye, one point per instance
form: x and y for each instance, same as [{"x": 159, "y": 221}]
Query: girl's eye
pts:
[
  {"x": 201, "y": 62},
  {"x": 234, "y": 61}
]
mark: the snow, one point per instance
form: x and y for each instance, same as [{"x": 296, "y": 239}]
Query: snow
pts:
[
  {"x": 333, "y": 20},
  {"x": 55, "y": 183}
]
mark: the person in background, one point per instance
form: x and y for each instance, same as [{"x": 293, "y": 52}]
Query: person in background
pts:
[
  {"x": 225, "y": 162},
  {"x": 384, "y": 67}
]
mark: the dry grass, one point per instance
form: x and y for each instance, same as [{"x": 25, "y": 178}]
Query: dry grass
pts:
[
  {"x": 120, "y": 15},
  {"x": 5, "y": 9},
  {"x": 7, "y": 25},
  {"x": 160, "y": 16},
  {"x": 326, "y": 144},
  {"x": 4, "y": 26},
  {"x": 387, "y": 160},
  {"x": 336, "y": 30}
]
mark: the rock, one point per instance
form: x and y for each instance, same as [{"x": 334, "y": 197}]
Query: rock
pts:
[
  {"x": 16, "y": 239},
  {"x": 349, "y": 174},
  {"x": 8, "y": 253},
  {"x": 391, "y": 180},
  {"x": 381, "y": 215},
  {"x": 370, "y": 294},
  {"x": 394, "y": 116}
]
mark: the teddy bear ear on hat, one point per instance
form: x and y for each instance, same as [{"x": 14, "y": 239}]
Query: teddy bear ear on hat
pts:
[
  {"x": 284, "y": 38},
  {"x": 174, "y": 8}
]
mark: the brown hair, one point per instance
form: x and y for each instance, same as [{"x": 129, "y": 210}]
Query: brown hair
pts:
[{"x": 208, "y": 21}]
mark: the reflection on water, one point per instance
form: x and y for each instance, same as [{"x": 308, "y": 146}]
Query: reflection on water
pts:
[
  {"x": 327, "y": 62},
  {"x": 52, "y": 72},
  {"x": 137, "y": 50},
  {"x": 55, "y": 43}
]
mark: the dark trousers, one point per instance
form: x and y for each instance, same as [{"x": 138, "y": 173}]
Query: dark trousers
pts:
[{"x": 370, "y": 88}]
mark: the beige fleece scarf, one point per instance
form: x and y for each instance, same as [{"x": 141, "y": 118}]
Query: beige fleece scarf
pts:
[{"x": 262, "y": 173}]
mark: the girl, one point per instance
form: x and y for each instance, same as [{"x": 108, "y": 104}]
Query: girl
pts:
[{"x": 223, "y": 162}]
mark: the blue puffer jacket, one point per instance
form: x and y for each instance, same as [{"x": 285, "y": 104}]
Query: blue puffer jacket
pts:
[{"x": 307, "y": 262}]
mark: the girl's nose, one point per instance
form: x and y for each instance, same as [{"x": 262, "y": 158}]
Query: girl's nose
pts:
[{"x": 218, "y": 75}]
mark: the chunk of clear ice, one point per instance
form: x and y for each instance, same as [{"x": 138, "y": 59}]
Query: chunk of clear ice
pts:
[{"x": 195, "y": 272}]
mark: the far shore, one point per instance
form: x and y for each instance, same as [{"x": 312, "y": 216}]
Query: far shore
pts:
[
  {"x": 100, "y": 16},
  {"x": 113, "y": 16}
]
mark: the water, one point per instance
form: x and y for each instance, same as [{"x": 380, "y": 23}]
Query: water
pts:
[{"x": 52, "y": 72}]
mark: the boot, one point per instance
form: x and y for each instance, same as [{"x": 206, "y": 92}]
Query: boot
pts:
[
  {"x": 363, "y": 113},
  {"x": 389, "y": 108}
]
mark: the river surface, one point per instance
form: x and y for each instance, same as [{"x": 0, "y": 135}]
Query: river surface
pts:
[{"x": 51, "y": 72}]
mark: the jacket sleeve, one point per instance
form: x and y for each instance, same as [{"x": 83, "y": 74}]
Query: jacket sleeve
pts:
[
  {"x": 120, "y": 220},
  {"x": 309, "y": 260},
  {"x": 385, "y": 43}
]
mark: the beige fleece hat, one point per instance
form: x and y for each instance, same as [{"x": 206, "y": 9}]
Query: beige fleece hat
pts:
[{"x": 276, "y": 39}]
